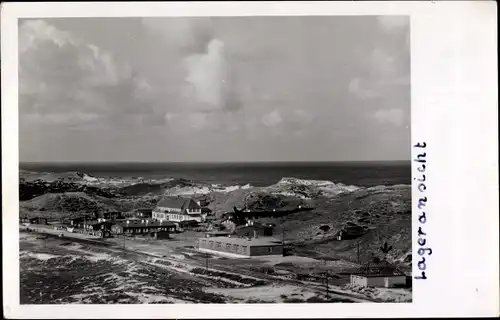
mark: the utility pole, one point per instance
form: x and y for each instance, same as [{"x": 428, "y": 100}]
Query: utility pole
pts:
[
  {"x": 206, "y": 261},
  {"x": 326, "y": 285},
  {"x": 357, "y": 243}
]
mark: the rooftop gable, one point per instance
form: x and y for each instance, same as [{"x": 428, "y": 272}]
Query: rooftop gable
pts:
[{"x": 178, "y": 203}]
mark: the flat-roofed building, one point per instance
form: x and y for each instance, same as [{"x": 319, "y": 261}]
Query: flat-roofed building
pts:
[{"x": 241, "y": 247}]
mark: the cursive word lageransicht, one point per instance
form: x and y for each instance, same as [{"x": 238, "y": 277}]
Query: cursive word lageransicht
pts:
[{"x": 421, "y": 178}]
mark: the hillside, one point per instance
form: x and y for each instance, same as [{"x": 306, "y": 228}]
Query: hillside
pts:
[
  {"x": 384, "y": 213},
  {"x": 67, "y": 204}
]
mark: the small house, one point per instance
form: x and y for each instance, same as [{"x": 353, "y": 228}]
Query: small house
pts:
[
  {"x": 143, "y": 213},
  {"x": 252, "y": 229},
  {"x": 38, "y": 220},
  {"x": 350, "y": 232},
  {"x": 24, "y": 220},
  {"x": 187, "y": 224},
  {"x": 79, "y": 221},
  {"x": 108, "y": 216},
  {"x": 213, "y": 234},
  {"x": 380, "y": 274},
  {"x": 207, "y": 214},
  {"x": 202, "y": 201},
  {"x": 144, "y": 228}
]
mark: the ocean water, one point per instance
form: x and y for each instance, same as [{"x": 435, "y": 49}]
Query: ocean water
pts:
[{"x": 363, "y": 174}]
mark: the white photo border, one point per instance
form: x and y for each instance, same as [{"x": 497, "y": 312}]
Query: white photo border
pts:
[{"x": 454, "y": 111}]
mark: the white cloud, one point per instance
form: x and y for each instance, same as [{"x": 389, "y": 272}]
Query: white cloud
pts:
[
  {"x": 32, "y": 32},
  {"x": 272, "y": 119},
  {"x": 206, "y": 75},
  {"x": 363, "y": 93},
  {"x": 394, "y": 116},
  {"x": 59, "y": 73},
  {"x": 385, "y": 75},
  {"x": 392, "y": 24}
]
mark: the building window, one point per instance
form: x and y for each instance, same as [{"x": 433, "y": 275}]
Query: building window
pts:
[
  {"x": 219, "y": 245},
  {"x": 211, "y": 244},
  {"x": 235, "y": 247},
  {"x": 228, "y": 246},
  {"x": 244, "y": 249}
]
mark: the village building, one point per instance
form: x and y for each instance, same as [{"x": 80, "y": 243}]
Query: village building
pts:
[
  {"x": 143, "y": 213},
  {"x": 252, "y": 228},
  {"x": 78, "y": 222},
  {"x": 213, "y": 234},
  {"x": 24, "y": 220},
  {"x": 108, "y": 216},
  {"x": 36, "y": 220},
  {"x": 177, "y": 209},
  {"x": 207, "y": 214},
  {"x": 202, "y": 201},
  {"x": 241, "y": 247},
  {"x": 380, "y": 274},
  {"x": 96, "y": 225},
  {"x": 157, "y": 230},
  {"x": 350, "y": 232},
  {"x": 187, "y": 225}
]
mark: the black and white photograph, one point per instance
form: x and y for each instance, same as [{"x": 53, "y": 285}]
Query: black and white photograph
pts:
[
  {"x": 215, "y": 160},
  {"x": 258, "y": 159}
]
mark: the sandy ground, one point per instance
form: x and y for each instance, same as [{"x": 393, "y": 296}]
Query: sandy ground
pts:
[
  {"x": 269, "y": 294},
  {"x": 58, "y": 270},
  {"x": 225, "y": 280}
]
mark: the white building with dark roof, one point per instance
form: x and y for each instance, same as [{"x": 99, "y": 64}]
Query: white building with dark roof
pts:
[
  {"x": 381, "y": 274},
  {"x": 177, "y": 209}
]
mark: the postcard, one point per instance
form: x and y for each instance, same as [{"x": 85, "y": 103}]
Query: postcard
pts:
[{"x": 257, "y": 159}]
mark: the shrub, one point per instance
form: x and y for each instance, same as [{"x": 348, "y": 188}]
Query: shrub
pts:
[
  {"x": 324, "y": 228},
  {"x": 293, "y": 300}
]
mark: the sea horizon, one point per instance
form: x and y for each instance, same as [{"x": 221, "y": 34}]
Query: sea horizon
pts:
[{"x": 360, "y": 173}]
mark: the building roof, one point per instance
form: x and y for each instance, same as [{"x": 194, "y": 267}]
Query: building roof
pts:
[
  {"x": 134, "y": 224},
  {"x": 253, "y": 242},
  {"x": 178, "y": 203},
  {"x": 379, "y": 269}
]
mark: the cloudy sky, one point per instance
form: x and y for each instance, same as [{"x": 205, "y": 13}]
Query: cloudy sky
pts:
[{"x": 214, "y": 89}]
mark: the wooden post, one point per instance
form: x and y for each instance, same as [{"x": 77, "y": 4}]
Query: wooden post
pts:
[
  {"x": 327, "y": 292},
  {"x": 357, "y": 243}
]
